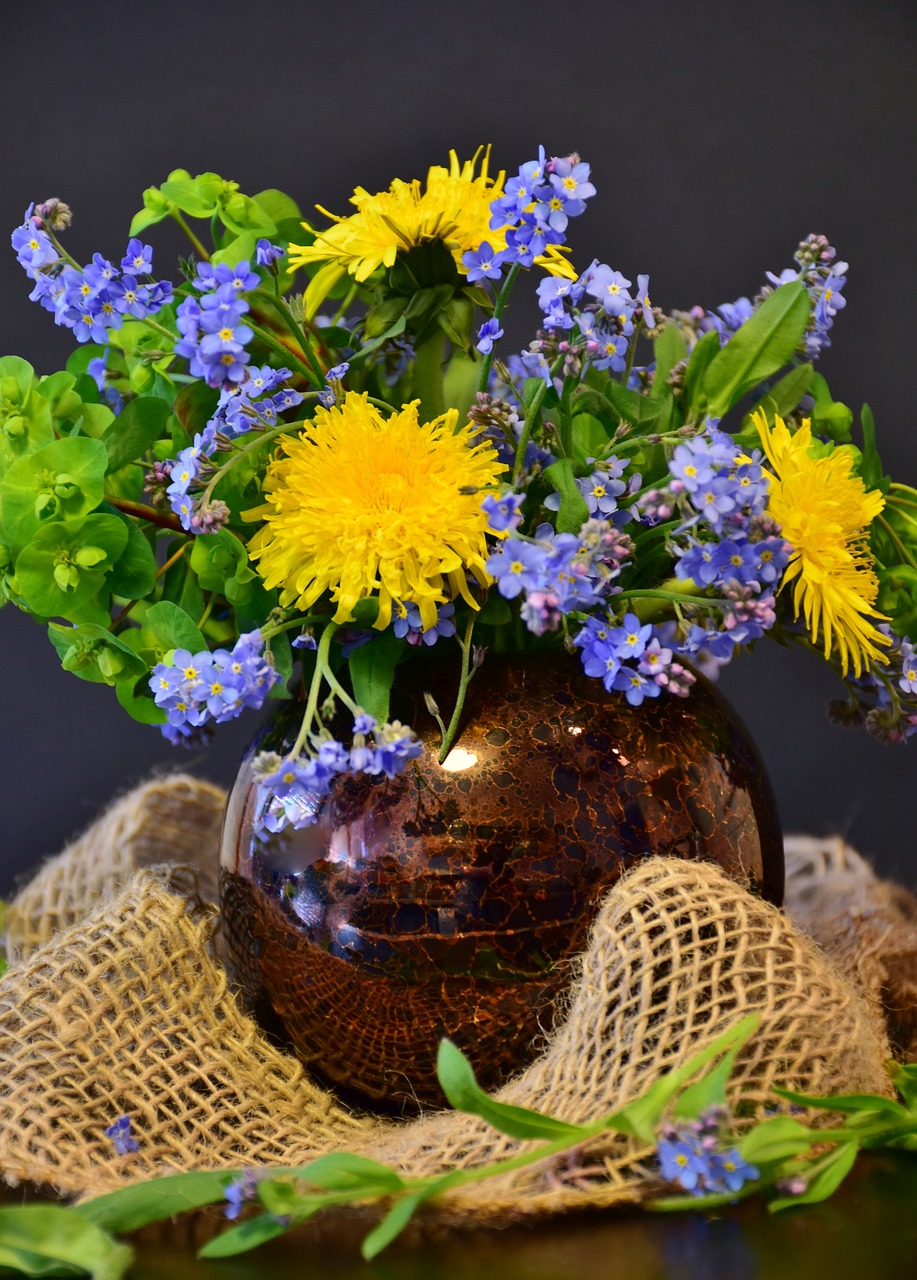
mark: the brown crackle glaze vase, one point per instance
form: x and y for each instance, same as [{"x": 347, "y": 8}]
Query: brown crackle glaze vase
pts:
[{"x": 446, "y": 902}]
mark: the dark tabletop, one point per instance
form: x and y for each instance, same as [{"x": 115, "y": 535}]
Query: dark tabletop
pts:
[{"x": 867, "y": 1231}]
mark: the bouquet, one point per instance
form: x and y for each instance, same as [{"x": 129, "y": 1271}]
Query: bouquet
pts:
[{"x": 309, "y": 444}]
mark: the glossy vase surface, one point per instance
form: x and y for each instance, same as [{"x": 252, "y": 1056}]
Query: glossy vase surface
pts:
[{"x": 449, "y": 901}]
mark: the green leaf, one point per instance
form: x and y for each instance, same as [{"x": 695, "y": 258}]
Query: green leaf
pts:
[
  {"x": 45, "y": 1239},
  {"x": 195, "y": 405},
  {"x": 758, "y": 349},
  {"x": 458, "y": 1083},
  {"x": 904, "y": 1078},
  {"x": 590, "y": 437},
  {"x": 51, "y": 580},
  {"x": 847, "y": 1102},
  {"x": 777, "y": 1138},
  {"x": 669, "y": 349},
  {"x": 495, "y": 611},
  {"x": 277, "y": 205},
  {"x": 456, "y": 319},
  {"x": 640, "y": 411},
  {"x": 829, "y": 1172},
  {"x": 829, "y": 416},
  {"x": 21, "y": 373},
  {"x": 703, "y": 353},
  {"x": 641, "y": 1117},
  {"x": 171, "y": 628},
  {"x": 372, "y": 670},
  {"x": 282, "y": 655},
  {"x": 135, "y": 430},
  {"x": 573, "y": 510},
  {"x": 92, "y": 653},
  {"x": 871, "y": 469},
  {"x": 240, "y": 249},
  {"x": 155, "y": 208},
  {"x": 342, "y": 1171},
  {"x": 244, "y": 215},
  {"x": 460, "y": 382},
  {"x": 709, "y": 1091},
  {"x": 392, "y": 1225},
  {"x": 139, "y": 706},
  {"x": 141, "y": 1203},
  {"x": 134, "y": 573},
  {"x": 63, "y": 481},
  {"x": 192, "y": 195},
  {"x": 785, "y": 395},
  {"x": 394, "y": 329},
  {"x": 245, "y": 1236}
]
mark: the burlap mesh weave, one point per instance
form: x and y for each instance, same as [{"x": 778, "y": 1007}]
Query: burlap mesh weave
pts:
[{"x": 116, "y": 1004}]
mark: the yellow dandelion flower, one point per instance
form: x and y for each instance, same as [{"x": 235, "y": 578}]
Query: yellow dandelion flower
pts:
[
  {"x": 825, "y": 511},
  {"x": 454, "y": 208},
  {"x": 362, "y": 505}
]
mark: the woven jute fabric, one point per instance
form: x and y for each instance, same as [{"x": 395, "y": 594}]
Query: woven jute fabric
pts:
[{"x": 116, "y": 1003}]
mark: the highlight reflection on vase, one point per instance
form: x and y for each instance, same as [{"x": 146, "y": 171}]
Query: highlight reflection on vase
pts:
[{"x": 449, "y": 900}]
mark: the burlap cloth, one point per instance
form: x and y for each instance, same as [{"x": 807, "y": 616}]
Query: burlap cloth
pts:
[{"x": 116, "y": 1003}]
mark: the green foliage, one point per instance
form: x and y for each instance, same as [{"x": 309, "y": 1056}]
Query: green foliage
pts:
[
  {"x": 49, "y": 1240},
  {"x": 760, "y": 348},
  {"x": 221, "y": 563},
  {"x": 573, "y": 510},
  {"x": 669, "y": 349},
  {"x": 166, "y": 626},
  {"x": 64, "y": 565},
  {"x": 135, "y": 430},
  {"x": 372, "y": 671},
  {"x": 463, "y": 1092},
  {"x": 63, "y": 481},
  {"x": 92, "y": 653}
]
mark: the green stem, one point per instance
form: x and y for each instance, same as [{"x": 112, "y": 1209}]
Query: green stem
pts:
[
  {"x": 502, "y": 298},
  {"x": 678, "y": 597},
  {"x": 467, "y": 673},
  {"x": 343, "y": 308},
  {"x": 531, "y": 417},
  {"x": 321, "y": 664},
  {"x": 632, "y": 351},
  {"x": 428, "y": 376},
  {"x": 177, "y": 215},
  {"x": 902, "y": 549},
  {"x": 243, "y": 452},
  {"x": 317, "y": 381},
  {"x": 60, "y": 249},
  {"x": 307, "y": 620},
  {"x": 160, "y": 328},
  {"x": 296, "y": 330}
]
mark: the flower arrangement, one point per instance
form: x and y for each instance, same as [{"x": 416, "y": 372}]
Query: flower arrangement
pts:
[{"x": 310, "y": 443}]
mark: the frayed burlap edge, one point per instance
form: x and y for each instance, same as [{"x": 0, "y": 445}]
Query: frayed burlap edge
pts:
[{"x": 127, "y": 1011}]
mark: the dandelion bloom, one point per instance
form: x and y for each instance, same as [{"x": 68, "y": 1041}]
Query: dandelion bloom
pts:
[
  {"x": 362, "y": 505},
  {"x": 824, "y": 512},
  {"x": 453, "y": 208}
]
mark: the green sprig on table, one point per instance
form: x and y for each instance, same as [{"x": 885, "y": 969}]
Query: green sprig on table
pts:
[{"x": 60, "y": 1240}]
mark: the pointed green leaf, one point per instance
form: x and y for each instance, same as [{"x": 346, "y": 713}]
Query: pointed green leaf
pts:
[
  {"x": 757, "y": 350},
  {"x": 702, "y": 355},
  {"x": 245, "y": 1236},
  {"x": 775, "y": 1139},
  {"x": 372, "y": 670},
  {"x": 48, "y": 1239},
  {"x": 824, "y": 1177},
  {"x": 135, "y": 430},
  {"x": 669, "y": 350},
  {"x": 573, "y": 510},
  {"x": 458, "y": 1083},
  {"x": 847, "y": 1102}
]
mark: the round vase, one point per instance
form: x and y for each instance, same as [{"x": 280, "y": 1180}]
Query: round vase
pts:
[{"x": 449, "y": 901}]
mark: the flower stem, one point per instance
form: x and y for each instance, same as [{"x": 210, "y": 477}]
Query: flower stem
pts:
[
  {"x": 428, "y": 376},
  {"x": 299, "y": 333},
  {"x": 321, "y": 666},
  {"x": 143, "y": 512},
  {"x": 240, "y": 454},
  {"x": 901, "y": 548},
  {"x": 286, "y": 354},
  {"x": 177, "y": 215},
  {"x": 502, "y": 298},
  {"x": 467, "y": 672},
  {"x": 531, "y": 416}
]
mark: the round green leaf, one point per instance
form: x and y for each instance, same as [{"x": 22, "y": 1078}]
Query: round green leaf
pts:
[
  {"x": 52, "y": 582},
  {"x": 63, "y": 481}
]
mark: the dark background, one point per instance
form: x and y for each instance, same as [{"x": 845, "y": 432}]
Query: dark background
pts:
[{"x": 719, "y": 135}]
